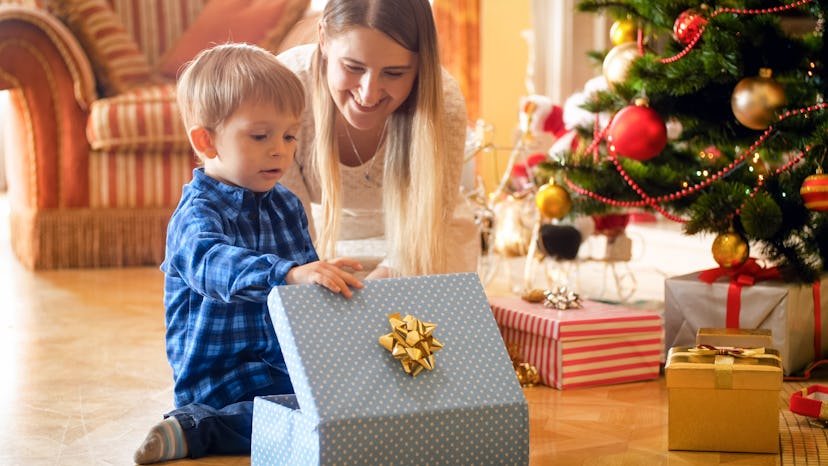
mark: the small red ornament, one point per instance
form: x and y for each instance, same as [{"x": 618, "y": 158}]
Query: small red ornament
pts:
[
  {"x": 814, "y": 192},
  {"x": 688, "y": 25},
  {"x": 637, "y": 132},
  {"x": 535, "y": 159},
  {"x": 519, "y": 171},
  {"x": 554, "y": 122},
  {"x": 611, "y": 225}
]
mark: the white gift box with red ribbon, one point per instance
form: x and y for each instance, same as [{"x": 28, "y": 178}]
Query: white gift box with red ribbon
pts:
[
  {"x": 598, "y": 344},
  {"x": 794, "y": 313}
]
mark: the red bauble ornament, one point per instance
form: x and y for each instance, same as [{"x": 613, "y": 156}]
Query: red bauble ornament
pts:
[
  {"x": 688, "y": 25},
  {"x": 814, "y": 192},
  {"x": 535, "y": 159},
  {"x": 637, "y": 132}
]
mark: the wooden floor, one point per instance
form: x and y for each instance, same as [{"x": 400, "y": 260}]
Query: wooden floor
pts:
[{"x": 84, "y": 376}]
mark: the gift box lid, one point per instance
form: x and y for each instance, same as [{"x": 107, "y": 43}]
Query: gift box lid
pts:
[
  {"x": 762, "y": 333},
  {"x": 739, "y": 337},
  {"x": 340, "y": 371},
  {"x": 594, "y": 319},
  {"x": 687, "y": 369}
]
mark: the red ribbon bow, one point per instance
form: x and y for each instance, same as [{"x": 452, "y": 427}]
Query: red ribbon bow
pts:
[{"x": 745, "y": 275}]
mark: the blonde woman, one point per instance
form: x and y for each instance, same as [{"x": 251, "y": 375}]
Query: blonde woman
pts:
[{"x": 380, "y": 153}]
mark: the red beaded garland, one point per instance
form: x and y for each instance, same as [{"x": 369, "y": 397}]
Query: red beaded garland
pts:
[
  {"x": 693, "y": 39},
  {"x": 653, "y": 202}
]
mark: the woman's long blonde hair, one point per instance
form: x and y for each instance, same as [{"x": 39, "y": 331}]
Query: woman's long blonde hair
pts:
[{"x": 416, "y": 188}]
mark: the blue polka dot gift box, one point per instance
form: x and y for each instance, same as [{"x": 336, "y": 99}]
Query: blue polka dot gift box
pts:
[{"x": 409, "y": 371}]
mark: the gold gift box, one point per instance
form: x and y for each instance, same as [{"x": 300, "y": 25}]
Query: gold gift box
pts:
[{"x": 716, "y": 404}]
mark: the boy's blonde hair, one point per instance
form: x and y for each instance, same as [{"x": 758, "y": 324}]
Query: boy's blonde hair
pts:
[{"x": 219, "y": 79}]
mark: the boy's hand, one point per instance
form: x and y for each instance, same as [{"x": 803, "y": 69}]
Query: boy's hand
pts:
[{"x": 329, "y": 274}]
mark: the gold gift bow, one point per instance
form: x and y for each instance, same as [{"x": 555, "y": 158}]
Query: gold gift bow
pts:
[
  {"x": 412, "y": 342},
  {"x": 755, "y": 353},
  {"x": 725, "y": 358},
  {"x": 526, "y": 373}
]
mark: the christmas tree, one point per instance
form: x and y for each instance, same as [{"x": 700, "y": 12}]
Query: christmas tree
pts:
[{"x": 715, "y": 119}]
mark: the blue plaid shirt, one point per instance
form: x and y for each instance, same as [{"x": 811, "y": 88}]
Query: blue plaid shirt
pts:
[{"x": 227, "y": 247}]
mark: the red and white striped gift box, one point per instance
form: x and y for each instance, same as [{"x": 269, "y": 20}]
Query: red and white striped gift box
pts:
[{"x": 598, "y": 344}]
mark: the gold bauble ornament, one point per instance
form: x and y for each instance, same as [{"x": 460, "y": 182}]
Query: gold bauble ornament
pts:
[
  {"x": 553, "y": 201},
  {"x": 616, "y": 64},
  {"x": 513, "y": 226},
  {"x": 623, "y": 31},
  {"x": 755, "y": 100},
  {"x": 730, "y": 250}
]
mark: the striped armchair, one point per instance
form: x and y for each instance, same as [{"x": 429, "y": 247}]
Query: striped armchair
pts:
[{"x": 96, "y": 154}]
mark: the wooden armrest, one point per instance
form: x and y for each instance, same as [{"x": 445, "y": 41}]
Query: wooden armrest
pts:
[
  {"x": 52, "y": 86},
  {"x": 16, "y": 19}
]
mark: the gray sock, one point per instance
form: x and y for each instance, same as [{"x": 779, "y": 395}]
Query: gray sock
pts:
[{"x": 164, "y": 442}]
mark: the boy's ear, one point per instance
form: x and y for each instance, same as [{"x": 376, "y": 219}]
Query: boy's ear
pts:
[{"x": 202, "y": 141}]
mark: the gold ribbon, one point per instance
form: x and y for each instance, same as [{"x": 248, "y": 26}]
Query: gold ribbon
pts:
[
  {"x": 412, "y": 342},
  {"x": 750, "y": 353},
  {"x": 723, "y": 371}
]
